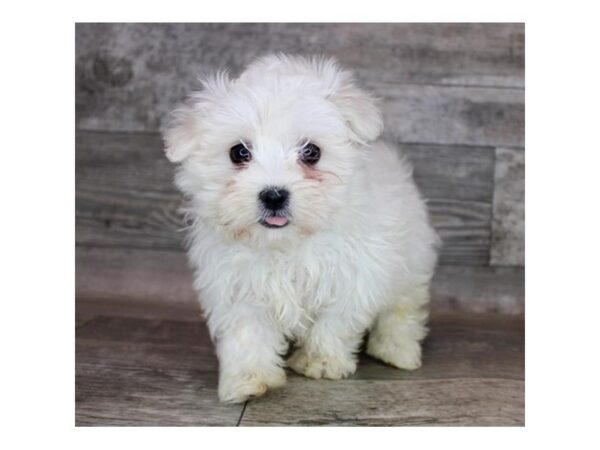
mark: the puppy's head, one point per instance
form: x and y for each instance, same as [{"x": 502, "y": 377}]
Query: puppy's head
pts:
[{"x": 267, "y": 157}]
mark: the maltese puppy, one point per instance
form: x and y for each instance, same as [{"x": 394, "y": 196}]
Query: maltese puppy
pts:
[{"x": 303, "y": 226}]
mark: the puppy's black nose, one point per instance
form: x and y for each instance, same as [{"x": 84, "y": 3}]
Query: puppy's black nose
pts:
[{"x": 274, "y": 197}]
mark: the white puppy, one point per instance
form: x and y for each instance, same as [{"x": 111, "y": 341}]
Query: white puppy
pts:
[{"x": 304, "y": 227}]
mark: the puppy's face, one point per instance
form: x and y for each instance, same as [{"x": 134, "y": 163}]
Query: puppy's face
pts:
[{"x": 267, "y": 157}]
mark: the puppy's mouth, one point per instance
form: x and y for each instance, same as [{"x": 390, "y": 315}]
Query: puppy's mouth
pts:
[{"x": 274, "y": 221}]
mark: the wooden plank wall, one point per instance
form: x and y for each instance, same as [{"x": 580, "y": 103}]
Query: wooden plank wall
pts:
[{"x": 453, "y": 99}]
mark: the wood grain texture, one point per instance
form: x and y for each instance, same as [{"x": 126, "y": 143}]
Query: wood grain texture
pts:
[
  {"x": 435, "y": 53},
  {"x": 150, "y": 343},
  {"x": 457, "y": 182},
  {"x": 135, "y": 280},
  {"x": 129, "y": 76},
  {"x": 472, "y": 375},
  {"x": 147, "y": 373},
  {"x": 136, "y": 396},
  {"x": 479, "y": 289},
  {"x": 132, "y": 276},
  {"x": 163, "y": 372},
  {"x": 124, "y": 192},
  {"x": 125, "y": 195},
  {"x": 455, "y": 402},
  {"x": 508, "y": 225},
  {"x": 453, "y": 115}
]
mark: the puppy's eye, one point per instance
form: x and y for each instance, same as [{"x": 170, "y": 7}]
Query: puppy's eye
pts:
[
  {"x": 239, "y": 154},
  {"x": 310, "y": 154}
]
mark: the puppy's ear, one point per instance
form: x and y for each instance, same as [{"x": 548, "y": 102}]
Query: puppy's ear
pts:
[
  {"x": 183, "y": 133},
  {"x": 358, "y": 107}
]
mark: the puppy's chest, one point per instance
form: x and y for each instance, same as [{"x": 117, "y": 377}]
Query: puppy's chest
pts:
[
  {"x": 296, "y": 286},
  {"x": 292, "y": 281}
]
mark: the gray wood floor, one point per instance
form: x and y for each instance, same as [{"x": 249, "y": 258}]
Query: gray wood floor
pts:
[{"x": 162, "y": 372}]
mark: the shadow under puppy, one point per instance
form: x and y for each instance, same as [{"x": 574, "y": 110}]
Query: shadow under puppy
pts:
[{"x": 304, "y": 226}]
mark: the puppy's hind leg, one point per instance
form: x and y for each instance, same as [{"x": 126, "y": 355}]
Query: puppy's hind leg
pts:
[{"x": 398, "y": 331}]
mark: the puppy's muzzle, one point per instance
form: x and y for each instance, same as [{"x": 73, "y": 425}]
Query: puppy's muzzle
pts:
[{"x": 274, "y": 200}]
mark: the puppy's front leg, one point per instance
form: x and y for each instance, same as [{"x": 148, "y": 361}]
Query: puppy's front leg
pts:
[
  {"x": 329, "y": 349},
  {"x": 248, "y": 346}
]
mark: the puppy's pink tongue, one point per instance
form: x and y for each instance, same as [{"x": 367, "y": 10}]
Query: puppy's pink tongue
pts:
[{"x": 276, "y": 221}]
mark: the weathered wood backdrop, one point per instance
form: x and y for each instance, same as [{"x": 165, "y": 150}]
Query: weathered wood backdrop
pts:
[{"x": 453, "y": 98}]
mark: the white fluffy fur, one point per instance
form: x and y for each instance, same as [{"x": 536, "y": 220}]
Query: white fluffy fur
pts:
[{"x": 358, "y": 254}]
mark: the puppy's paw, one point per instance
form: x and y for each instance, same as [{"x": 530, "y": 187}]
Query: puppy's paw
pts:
[
  {"x": 320, "y": 366},
  {"x": 403, "y": 355},
  {"x": 239, "y": 387}
]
